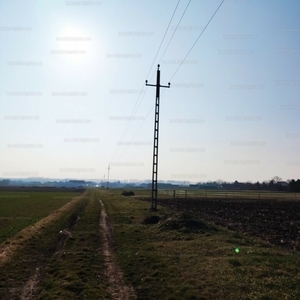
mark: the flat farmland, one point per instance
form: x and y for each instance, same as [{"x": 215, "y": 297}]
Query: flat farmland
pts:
[
  {"x": 225, "y": 194},
  {"x": 102, "y": 245},
  {"x": 59, "y": 256},
  {"x": 275, "y": 221},
  {"x": 175, "y": 254},
  {"x": 25, "y": 207}
]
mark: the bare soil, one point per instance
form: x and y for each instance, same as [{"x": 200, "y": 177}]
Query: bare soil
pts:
[
  {"x": 29, "y": 288},
  {"x": 275, "y": 221}
]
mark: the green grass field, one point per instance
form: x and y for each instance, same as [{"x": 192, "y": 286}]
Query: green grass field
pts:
[
  {"x": 74, "y": 270},
  {"x": 21, "y": 209}
]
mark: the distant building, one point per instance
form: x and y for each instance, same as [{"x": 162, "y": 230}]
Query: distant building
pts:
[
  {"x": 77, "y": 182},
  {"x": 208, "y": 186},
  {"x": 282, "y": 183},
  {"x": 161, "y": 185},
  {"x": 194, "y": 186}
]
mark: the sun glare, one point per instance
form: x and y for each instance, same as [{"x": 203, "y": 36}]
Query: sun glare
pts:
[{"x": 74, "y": 44}]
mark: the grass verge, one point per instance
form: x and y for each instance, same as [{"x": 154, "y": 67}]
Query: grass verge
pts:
[{"x": 181, "y": 257}]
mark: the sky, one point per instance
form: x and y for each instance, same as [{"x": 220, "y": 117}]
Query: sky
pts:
[{"x": 73, "y": 98}]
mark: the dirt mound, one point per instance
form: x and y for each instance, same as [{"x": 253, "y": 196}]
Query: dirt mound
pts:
[
  {"x": 186, "y": 222},
  {"x": 151, "y": 220}
]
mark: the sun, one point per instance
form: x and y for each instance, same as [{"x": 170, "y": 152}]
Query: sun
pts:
[{"x": 74, "y": 44}]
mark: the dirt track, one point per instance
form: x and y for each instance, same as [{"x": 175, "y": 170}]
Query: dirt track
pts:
[
  {"x": 29, "y": 285},
  {"x": 118, "y": 289}
]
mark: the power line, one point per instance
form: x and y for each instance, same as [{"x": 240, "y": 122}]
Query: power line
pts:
[
  {"x": 129, "y": 121},
  {"x": 175, "y": 30},
  {"x": 197, "y": 39},
  {"x": 163, "y": 38},
  {"x": 183, "y": 59},
  {"x": 138, "y": 103},
  {"x": 162, "y": 56},
  {"x": 154, "y": 60}
]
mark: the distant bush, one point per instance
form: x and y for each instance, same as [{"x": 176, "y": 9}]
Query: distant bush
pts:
[{"x": 127, "y": 194}]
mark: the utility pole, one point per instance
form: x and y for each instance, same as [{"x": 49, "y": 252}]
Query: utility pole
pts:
[
  {"x": 108, "y": 176},
  {"x": 155, "y": 143}
]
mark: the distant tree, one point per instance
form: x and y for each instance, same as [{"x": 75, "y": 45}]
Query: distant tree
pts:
[
  {"x": 127, "y": 194},
  {"x": 276, "y": 179},
  {"x": 272, "y": 185},
  {"x": 265, "y": 185},
  {"x": 294, "y": 186},
  {"x": 5, "y": 182},
  {"x": 219, "y": 181},
  {"x": 257, "y": 186}
]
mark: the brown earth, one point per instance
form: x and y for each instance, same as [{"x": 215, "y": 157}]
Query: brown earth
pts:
[{"x": 276, "y": 221}]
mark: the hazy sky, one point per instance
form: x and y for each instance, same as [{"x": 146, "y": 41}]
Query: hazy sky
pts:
[{"x": 73, "y": 97}]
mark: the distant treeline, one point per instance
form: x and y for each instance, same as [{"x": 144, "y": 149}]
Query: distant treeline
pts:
[
  {"x": 39, "y": 189},
  {"x": 273, "y": 185}
]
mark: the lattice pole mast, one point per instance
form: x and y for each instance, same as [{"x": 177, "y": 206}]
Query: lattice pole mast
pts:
[
  {"x": 108, "y": 169},
  {"x": 155, "y": 142}
]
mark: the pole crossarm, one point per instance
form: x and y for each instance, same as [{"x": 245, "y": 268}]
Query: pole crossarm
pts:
[
  {"x": 165, "y": 86},
  {"x": 155, "y": 143}
]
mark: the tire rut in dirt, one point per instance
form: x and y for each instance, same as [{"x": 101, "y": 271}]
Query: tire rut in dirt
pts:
[
  {"x": 67, "y": 232},
  {"x": 117, "y": 288}
]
